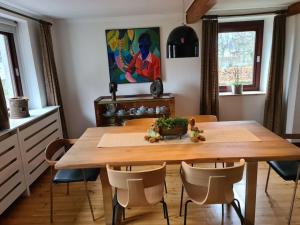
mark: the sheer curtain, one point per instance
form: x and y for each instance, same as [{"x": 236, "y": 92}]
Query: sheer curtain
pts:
[
  {"x": 274, "y": 105},
  {"x": 209, "y": 104},
  {"x": 50, "y": 73}
]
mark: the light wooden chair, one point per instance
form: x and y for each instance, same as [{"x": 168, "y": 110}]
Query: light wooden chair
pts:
[
  {"x": 199, "y": 119},
  {"x": 138, "y": 188},
  {"x": 69, "y": 175},
  {"x": 147, "y": 122},
  {"x": 211, "y": 186},
  {"x": 203, "y": 118}
]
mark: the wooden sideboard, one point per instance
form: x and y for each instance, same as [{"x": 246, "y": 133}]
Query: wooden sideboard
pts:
[{"x": 127, "y": 102}]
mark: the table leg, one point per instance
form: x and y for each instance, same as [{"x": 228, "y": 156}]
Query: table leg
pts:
[
  {"x": 251, "y": 181},
  {"x": 108, "y": 200}
]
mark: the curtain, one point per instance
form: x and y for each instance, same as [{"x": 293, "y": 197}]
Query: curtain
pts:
[
  {"x": 209, "y": 104},
  {"x": 274, "y": 105},
  {"x": 50, "y": 73},
  {"x": 4, "y": 120}
]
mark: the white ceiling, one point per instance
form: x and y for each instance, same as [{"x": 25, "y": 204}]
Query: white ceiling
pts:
[{"x": 106, "y": 8}]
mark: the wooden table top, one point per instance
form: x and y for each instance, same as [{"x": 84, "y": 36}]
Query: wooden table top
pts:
[{"x": 85, "y": 154}]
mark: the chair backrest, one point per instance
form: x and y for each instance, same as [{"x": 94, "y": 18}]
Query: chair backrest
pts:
[
  {"x": 55, "y": 146},
  {"x": 217, "y": 181},
  {"x": 136, "y": 182},
  {"x": 140, "y": 122},
  {"x": 204, "y": 118}
]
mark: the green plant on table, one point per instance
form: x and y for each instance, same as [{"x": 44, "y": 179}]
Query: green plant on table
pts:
[{"x": 169, "y": 123}]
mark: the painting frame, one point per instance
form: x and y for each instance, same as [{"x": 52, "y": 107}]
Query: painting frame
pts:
[{"x": 134, "y": 54}]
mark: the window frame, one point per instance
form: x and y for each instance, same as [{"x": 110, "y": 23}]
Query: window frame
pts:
[
  {"x": 258, "y": 27},
  {"x": 17, "y": 84}
]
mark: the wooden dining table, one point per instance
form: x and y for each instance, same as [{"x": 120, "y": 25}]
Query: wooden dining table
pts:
[{"x": 86, "y": 154}]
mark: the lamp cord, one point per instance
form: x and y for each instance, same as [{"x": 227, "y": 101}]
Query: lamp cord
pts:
[{"x": 183, "y": 14}]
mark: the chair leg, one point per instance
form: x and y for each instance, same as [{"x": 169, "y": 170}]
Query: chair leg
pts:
[
  {"x": 181, "y": 200},
  {"x": 113, "y": 215},
  {"x": 51, "y": 195},
  {"x": 165, "y": 208},
  {"x": 68, "y": 188},
  {"x": 166, "y": 190},
  {"x": 185, "y": 210},
  {"x": 294, "y": 195},
  {"x": 124, "y": 217},
  {"x": 237, "y": 207},
  {"x": 87, "y": 195},
  {"x": 51, "y": 202},
  {"x": 267, "y": 181},
  {"x": 222, "y": 212}
]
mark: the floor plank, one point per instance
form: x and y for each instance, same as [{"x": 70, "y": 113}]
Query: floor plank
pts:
[{"x": 74, "y": 209}]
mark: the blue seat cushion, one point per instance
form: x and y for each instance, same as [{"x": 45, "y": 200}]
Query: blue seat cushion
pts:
[
  {"x": 285, "y": 169},
  {"x": 75, "y": 175}
]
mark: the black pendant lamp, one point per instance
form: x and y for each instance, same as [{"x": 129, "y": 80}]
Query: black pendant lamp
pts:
[{"x": 183, "y": 42}]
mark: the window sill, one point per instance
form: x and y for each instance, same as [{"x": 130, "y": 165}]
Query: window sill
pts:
[
  {"x": 34, "y": 114},
  {"x": 221, "y": 94}
]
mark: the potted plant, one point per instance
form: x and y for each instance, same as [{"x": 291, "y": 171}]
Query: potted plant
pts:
[
  {"x": 237, "y": 85},
  {"x": 172, "y": 126}
]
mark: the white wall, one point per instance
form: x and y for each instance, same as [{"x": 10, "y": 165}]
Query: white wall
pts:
[
  {"x": 245, "y": 107},
  {"x": 81, "y": 58}
]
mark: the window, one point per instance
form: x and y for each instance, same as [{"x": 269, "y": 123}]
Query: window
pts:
[
  {"x": 239, "y": 52},
  {"x": 9, "y": 70}
]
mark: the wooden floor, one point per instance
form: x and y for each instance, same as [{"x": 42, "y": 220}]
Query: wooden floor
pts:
[{"x": 74, "y": 210}]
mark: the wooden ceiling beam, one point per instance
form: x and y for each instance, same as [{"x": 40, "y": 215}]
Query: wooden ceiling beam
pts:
[
  {"x": 294, "y": 9},
  {"x": 198, "y": 9}
]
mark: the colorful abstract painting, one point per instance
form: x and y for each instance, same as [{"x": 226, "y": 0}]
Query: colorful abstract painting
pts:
[{"x": 133, "y": 55}]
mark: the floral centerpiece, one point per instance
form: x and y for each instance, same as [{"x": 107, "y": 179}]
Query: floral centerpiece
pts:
[
  {"x": 166, "y": 127},
  {"x": 174, "y": 127}
]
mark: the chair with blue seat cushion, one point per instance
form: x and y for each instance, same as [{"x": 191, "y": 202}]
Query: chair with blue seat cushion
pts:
[
  {"x": 53, "y": 151},
  {"x": 289, "y": 171}
]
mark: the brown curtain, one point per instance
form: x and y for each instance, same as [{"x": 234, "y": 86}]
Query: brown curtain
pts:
[
  {"x": 209, "y": 80},
  {"x": 4, "y": 120},
  {"x": 274, "y": 106},
  {"x": 50, "y": 73}
]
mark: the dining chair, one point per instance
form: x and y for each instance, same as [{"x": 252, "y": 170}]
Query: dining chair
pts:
[
  {"x": 203, "y": 118},
  {"x": 67, "y": 176},
  {"x": 146, "y": 122},
  {"x": 138, "y": 188},
  {"x": 289, "y": 171},
  {"x": 211, "y": 186},
  {"x": 199, "y": 119}
]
